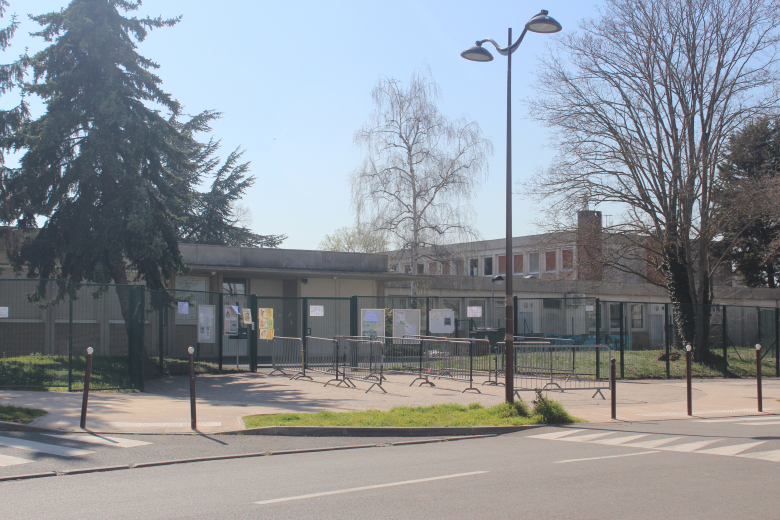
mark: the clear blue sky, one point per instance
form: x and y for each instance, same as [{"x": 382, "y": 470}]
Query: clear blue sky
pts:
[{"x": 294, "y": 79}]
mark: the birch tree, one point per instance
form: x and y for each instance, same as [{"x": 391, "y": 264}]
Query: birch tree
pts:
[
  {"x": 641, "y": 102},
  {"x": 420, "y": 169}
]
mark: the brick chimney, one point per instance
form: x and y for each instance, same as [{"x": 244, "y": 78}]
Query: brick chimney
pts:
[{"x": 589, "y": 244}]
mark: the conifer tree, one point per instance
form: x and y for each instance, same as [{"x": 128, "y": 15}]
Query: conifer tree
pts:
[{"x": 102, "y": 167}]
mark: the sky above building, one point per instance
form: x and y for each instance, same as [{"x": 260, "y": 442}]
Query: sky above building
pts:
[{"x": 293, "y": 80}]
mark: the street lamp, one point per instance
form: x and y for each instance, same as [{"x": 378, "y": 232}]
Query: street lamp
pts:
[{"x": 541, "y": 23}]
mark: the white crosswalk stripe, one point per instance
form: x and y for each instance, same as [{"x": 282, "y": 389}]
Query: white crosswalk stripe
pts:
[
  {"x": 62, "y": 451},
  {"x": 7, "y": 460},
  {"x": 661, "y": 443},
  {"x": 99, "y": 439},
  {"x": 757, "y": 418},
  {"x": 42, "y": 447}
]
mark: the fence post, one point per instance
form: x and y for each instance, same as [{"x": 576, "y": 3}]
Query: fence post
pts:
[
  {"x": 304, "y": 319},
  {"x": 427, "y": 316},
  {"x": 758, "y": 378},
  {"x": 353, "y": 316},
  {"x": 598, "y": 363},
  {"x": 70, "y": 336},
  {"x": 221, "y": 325},
  {"x": 252, "y": 343},
  {"x": 514, "y": 322},
  {"x": 160, "y": 324},
  {"x": 612, "y": 388},
  {"x": 688, "y": 377},
  {"x": 724, "y": 339},
  {"x": 777, "y": 342},
  {"x": 622, "y": 343},
  {"x": 193, "y": 416},
  {"x": 667, "y": 340},
  {"x": 85, "y": 398},
  {"x": 141, "y": 336},
  {"x": 598, "y": 321}
]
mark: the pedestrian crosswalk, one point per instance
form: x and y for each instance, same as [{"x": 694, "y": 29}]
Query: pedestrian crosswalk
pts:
[
  {"x": 662, "y": 442},
  {"x": 60, "y": 450}
]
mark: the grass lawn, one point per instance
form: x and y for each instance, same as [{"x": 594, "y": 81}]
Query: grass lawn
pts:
[
  {"x": 41, "y": 372},
  {"x": 504, "y": 414},
  {"x": 17, "y": 414}
]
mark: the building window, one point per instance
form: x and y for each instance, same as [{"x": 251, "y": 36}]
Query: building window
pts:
[
  {"x": 407, "y": 269},
  {"x": 420, "y": 268},
  {"x": 637, "y": 316},
  {"x": 234, "y": 285},
  {"x": 551, "y": 304},
  {"x": 458, "y": 268},
  {"x": 433, "y": 268},
  {"x": 549, "y": 261},
  {"x": 190, "y": 284},
  {"x": 445, "y": 268},
  {"x": 473, "y": 267},
  {"x": 567, "y": 259},
  {"x": 487, "y": 266},
  {"x": 518, "y": 264},
  {"x": 533, "y": 263},
  {"x": 614, "y": 315},
  {"x": 502, "y": 265}
]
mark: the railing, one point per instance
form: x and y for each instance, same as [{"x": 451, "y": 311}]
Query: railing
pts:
[
  {"x": 288, "y": 357},
  {"x": 364, "y": 361}
]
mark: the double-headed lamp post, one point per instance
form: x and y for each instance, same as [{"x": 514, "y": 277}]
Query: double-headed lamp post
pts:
[{"x": 541, "y": 23}]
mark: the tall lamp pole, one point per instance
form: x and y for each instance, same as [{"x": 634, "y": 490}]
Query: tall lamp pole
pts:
[{"x": 541, "y": 23}]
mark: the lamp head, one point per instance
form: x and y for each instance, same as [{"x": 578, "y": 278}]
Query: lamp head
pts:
[
  {"x": 758, "y": 346},
  {"x": 542, "y": 23},
  {"x": 498, "y": 278},
  {"x": 687, "y": 348},
  {"x": 90, "y": 350},
  {"x": 191, "y": 350},
  {"x": 477, "y": 53}
]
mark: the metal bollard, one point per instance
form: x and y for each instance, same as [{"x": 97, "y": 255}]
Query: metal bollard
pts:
[
  {"x": 758, "y": 378},
  {"x": 193, "y": 417},
  {"x": 612, "y": 389},
  {"x": 87, "y": 374},
  {"x": 688, "y": 377}
]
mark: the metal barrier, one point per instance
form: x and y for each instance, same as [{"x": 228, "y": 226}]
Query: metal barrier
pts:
[
  {"x": 428, "y": 356},
  {"x": 567, "y": 367},
  {"x": 321, "y": 355},
  {"x": 364, "y": 361},
  {"x": 287, "y": 356}
]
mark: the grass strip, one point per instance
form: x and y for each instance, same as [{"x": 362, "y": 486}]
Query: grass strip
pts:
[
  {"x": 20, "y": 415},
  {"x": 546, "y": 411}
]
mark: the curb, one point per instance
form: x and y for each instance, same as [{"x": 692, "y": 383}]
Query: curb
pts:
[
  {"x": 104, "y": 469},
  {"x": 363, "y": 431}
]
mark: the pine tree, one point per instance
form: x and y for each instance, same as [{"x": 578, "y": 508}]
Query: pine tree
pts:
[{"x": 102, "y": 165}]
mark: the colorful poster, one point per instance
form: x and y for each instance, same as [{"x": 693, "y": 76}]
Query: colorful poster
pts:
[
  {"x": 406, "y": 322},
  {"x": 265, "y": 323},
  {"x": 372, "y": 323},
  {"x": 246, "y": 315}
]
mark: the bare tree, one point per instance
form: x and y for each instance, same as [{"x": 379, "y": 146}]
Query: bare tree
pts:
[
  {"x": 642, "y": 102},
  {"x": 354, "y": 240},
  {"x": 420, "y": 170}
]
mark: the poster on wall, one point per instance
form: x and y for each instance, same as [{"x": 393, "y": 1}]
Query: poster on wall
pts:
[
  {"x": 265, "y": 323},
  {"x": 206, "y": 333},
  {"x": 372, "y": 322},
  {"x": 406, "y": 322},
  {"x": 231, "y": 319},
  {"x": 316, "y": 310},
  {"x": 184, "y": 308},
  {"x": 3, "y": 312},
  {"x": 474, "y": 312}
]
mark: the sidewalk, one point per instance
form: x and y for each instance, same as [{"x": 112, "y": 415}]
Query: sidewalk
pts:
[{"x": 223, "y": 399}]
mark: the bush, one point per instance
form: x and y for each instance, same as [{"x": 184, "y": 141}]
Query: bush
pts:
[{"x": 548, "y": 411}]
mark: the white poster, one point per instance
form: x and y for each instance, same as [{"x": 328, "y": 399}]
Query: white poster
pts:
[
  {"x": 406, "y": 322},
  {"x": 206, "y": 333},
  {"x": 316, "y": 310},
  {"x": 184, "y": 308},
  {"x": 3, "y": 312},
  {"x": 231, "y": 319},
  {"x": 442, "y": 321},
  {"x": 474, "y": 312}
]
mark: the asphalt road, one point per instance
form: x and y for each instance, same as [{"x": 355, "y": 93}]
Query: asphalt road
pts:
[{"x": 715, "y": 468}]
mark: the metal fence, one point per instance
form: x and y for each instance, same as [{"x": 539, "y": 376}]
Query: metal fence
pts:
[
  {"x": 138, "y": 334},
  {"x": 561, "y": 367}
]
